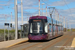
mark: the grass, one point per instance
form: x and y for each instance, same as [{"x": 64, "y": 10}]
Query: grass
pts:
[
  {"x": 73, "y": 30},
  {"x": 6, "y": 31},
  {"x": 10, "y": 31}
]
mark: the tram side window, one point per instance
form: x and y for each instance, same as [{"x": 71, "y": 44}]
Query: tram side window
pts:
[
  {"x": 62, "y": 28},
  {"x": 50, "y": 27},
  {"x": 58, "y": 28},
  {"x": 53, "y": 28}
]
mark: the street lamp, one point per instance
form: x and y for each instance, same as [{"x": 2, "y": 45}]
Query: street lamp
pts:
[{"x": 42, "y": 8}]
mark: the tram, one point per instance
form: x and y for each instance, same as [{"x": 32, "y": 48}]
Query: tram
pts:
[{"x": 43, "y": 28}]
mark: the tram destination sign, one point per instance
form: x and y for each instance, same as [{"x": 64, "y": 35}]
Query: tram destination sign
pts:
[{"x": 36, "y": 20}]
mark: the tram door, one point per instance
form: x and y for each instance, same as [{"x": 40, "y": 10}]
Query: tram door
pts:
[
  {"x": 54, "y": 30},
  {"x": 50, "y": 30},
  {"x": 57, "y": 30}
]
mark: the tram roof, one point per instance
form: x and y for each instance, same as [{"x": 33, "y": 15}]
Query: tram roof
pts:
[
  {"x": 38, "y": 17},
  {"x": 43, "y": 17}
]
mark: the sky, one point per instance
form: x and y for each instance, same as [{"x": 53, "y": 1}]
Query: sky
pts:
[{"x": 65, "y": 9}]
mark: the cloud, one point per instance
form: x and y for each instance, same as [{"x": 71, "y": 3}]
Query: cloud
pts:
[
  {"x": 5, "y": 3},
  {"x": 62, "y": 2},
  {"x": 68, "y": 15},
  {"x": 68, "y": 12},
  {"x": 1, "y": 8},
  {"x": 4, "y": 16}
]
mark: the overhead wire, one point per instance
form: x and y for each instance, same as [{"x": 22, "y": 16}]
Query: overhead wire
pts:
[{"x": 68, "y": 7}]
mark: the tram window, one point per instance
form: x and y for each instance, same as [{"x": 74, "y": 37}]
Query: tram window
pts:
[
  {"x": 46, "y": 28},
  {"x": 36, "y": 27},
  {"x": 62, "y": 28},
  {"x": 53, "y": 28},
  {"x": 58, "y": 28},
  {"x": 50, "y": 27}
]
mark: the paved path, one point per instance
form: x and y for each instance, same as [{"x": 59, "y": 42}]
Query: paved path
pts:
[{"x": 10, "y": 43}]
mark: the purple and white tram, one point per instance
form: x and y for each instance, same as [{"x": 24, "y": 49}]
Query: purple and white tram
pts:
[{"x": 41, "y": 28}]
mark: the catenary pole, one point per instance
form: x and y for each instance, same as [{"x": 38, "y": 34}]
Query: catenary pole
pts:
[
  {"x": 11, "y": 20},
  {"x": 16, "y": 21},
  {"x": 46, "y": 10},
  {"x": 64, "y": 22},
  {"x": 22, "y": 11},
  {"x": 42, "y": 8},
  {"x": 39, "y": 7}
]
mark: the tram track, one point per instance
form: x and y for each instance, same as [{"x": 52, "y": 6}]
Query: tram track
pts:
[
  {"x": 55, "y": 42},
  {"x": 44, "y": 45},
  {"x": 41, "y": 43},
  {"x": 67, "y": 42},
  {"x": 26, "y": 43},
  {"x": 31, "y": 46}
]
